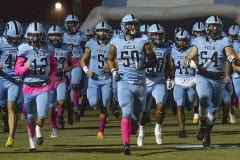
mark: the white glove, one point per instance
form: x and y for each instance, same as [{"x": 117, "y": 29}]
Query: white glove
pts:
[
  {"x": 170, "y": 84},
  {"x": 115, "y": 74},
  {"x": 192, "y": 64}
]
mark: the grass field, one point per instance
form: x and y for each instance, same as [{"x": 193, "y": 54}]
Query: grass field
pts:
[{"x": 79, "y": 142}]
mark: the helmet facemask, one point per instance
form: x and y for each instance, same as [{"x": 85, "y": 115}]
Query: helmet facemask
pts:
[
  {"x": 131, "y": 28},
  {"x": 214, "y": 30},
  {"x": 157, "y": 38},
  {"x": 14, "y": 40},
  {"x": 35, "y": 39},
  {"x": 182, "y": 43},
  {"x": 72, "y": 26},
  {"x": 102, "y": 34},
  {"x": 55, "y": 39}
]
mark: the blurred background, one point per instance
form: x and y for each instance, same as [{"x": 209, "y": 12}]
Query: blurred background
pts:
[{"x": 170, "y": 13}]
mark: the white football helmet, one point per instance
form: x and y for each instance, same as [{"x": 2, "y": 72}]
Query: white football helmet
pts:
[
  {"x": 89, "y": 32},
  {"x": 214, "y": 26},
  {"x": 182, "y": 40},
  {"x": 144, "y": 28},
  {"x": 35, "y": 34},
  {"x": 130, "y": 25},
  {"x": 233, "y": 30},
  {"x": 198, "y": 28},
  {"x": 13, "y": 32},
  {"x": 55, "y": 35},
  {"x": 103, "y": 30},
  {"x": 71, "y": 23},
  {"x": 157, "y": 33}
]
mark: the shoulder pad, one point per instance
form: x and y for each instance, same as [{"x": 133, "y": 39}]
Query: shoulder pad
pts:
[{"x": 23, "y": 48}]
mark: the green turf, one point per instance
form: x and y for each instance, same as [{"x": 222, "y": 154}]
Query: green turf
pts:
[{"x": 79, "y": 142}]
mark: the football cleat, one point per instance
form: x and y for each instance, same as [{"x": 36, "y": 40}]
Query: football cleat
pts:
[
  {"x": 54, "y": 133},
  {"x": 100, "y": 135},
  {"x": 126, "y": 149},
  {"x": 10, "y": 142},
  {"x": 182, "y": 134},
  {"x": 32, "y": 142}
]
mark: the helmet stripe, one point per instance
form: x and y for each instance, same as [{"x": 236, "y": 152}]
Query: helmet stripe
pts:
[
  {"x": 132, "y": 16},
  {"x": 54, "y": 27},
  {"x": 16, "y": 27},
  {"x": 199, "y": 25},
  {"x": 215, "y": 18},
  {"x": 35, "y": 26},
  {"x": 158, "y": 27}
]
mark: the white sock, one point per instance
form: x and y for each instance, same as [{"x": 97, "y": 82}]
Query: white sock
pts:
[
  {"x": 196, "y": 115},
  {"x": 141, "y": 130},
  {"x": 32, "y": 143},
  {"x": 38, "y": 131},
  {"x": 158, "y": 128}
]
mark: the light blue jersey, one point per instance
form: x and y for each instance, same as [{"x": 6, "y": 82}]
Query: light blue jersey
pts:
[
  {"x": 61, "y": 55},
  {"x": 99, "y": 86},
  {"x": 74, "y": 43},
  {"x": 8, "y": 54},
  {"x": 181, "y": 71},
  {"x": 211, "y": 55},
  {"x": 129, "y": 53},
  {"x": 38, "y": 73},
  {"x": 209, "y": 79},
  {"x": 9, "y": 92},
  {"x": 98, "y": 57},
  {"x": 183, "y": 91}
]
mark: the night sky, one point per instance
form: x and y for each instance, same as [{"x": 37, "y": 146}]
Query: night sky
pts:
[{"x": 31, "y": 10}]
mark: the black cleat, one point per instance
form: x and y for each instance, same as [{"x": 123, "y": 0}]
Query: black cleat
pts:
[
  {"x": 61, "y": 123},
  {"x": 126, "y": 149},
  {"x": 206, "y": 141},
  {"x": 207, "y": 136},
  {"x": 76, "y": 116},
  {"x": 39, "y": 140},
  {"x": 70, "y": 116},
  {"x": 182, "y": 134},
  {"x": 200, "y": 134},
  {"x": 32, "y": 150}
]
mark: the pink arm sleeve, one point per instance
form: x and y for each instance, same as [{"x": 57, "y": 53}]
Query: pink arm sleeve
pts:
[
  {"x": 53, "y": 66},
  {"x": 20, "y": 69}
]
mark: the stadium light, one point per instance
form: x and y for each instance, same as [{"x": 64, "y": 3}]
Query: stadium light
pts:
[{"x": 58, "y": 5}]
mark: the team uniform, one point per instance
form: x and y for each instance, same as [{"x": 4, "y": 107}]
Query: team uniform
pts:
[
  {"x": 214, "y": 54},
  {"x": 9, "y": 83},
  {"x": 210, "y": 72},
  {"x": 9, "y": 91},
  {"x": 184, "y": 88},
  {"x": 74, "y": 46},
  {"x": 36, "y": 84},
  {"x": 100, "y": 84},
  {"x": 156, "y": 90},
  {"x": 59, "y": 88},
  {"x": 184, "y": 79}
]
